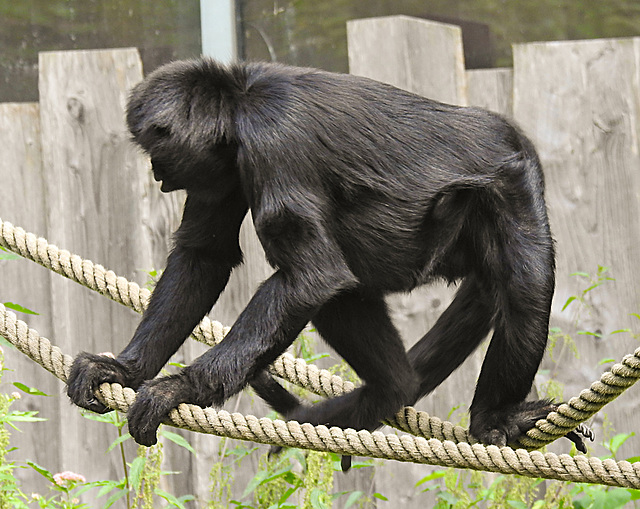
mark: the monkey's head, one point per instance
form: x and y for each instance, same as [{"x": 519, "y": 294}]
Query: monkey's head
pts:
[{"x": 181, "y": 115}]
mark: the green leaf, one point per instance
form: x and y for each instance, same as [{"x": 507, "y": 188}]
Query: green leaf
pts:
[
  {"x": 178, "y": 440},
  {"x": 17, "y": 416},
  {"x": 316, "y": 499},
  {"x": 30, "y": 390},
  {"x": 618, "y": 331},
  {"x": 285, "y": 496},
  {"x": 41, "y": 470},
  {"x": 616, "y": 442},
  {"x": 611, "y": 499},
  {"x": 89, "y": 486},
  {"x": 569, "y": 301},
  {"x": 5, "y": 254},
  {"x": 360, "y": 464},
  {"x": 353, "y": 498},
  {"x": 380, "y": 496},
  {"x": 592, "y": 287},
  {"x": 19, "y": 308},
  {"x": 135, "y": 471},
  {"x": 114, "y": 498},
  {"x": 118, "y": 441},
  {"x": 589, "y": 333},
  {"x": 283, "y": 472},
  {"x": 255, "y": 482},
  {"x": 109, "y": 417},
  {"x": 449, "y": 498},
  {"x": 580, "y": 274},
  {"x": 169, "y": 498},
  {"x": 316, "y": 357},
  {"x": 635, "y": 494},
  {"x": 605, "y": 361},
  {"x": 5, "y": 343},
  {"x": 437, "y": 474},
  {"x": 108, "y": 486}
]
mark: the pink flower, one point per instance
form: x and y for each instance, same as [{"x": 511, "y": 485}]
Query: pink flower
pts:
[{"x": 62, "y": 478}]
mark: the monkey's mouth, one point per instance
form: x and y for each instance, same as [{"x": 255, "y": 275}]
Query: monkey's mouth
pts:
[{"x": 167, "y": 186}]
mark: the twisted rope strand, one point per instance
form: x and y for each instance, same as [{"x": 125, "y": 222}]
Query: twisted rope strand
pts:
[
  {"x": 348, "y": 442},
  {"x": 557, "y": 424}
]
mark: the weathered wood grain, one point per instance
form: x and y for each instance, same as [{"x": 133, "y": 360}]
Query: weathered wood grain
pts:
[
  {"x": 426, "y": 58},
  {"x": 22, "y": 202},
  {"x": 92, "y": 192},
  {"x": 580, "y": 103},
  {"x": 101, "y": 203},
  {"x": 421, "y": 56},
  {"x": 491, "y": 89}
]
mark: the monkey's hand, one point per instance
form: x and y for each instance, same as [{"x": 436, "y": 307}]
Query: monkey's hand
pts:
[
  {"x": 88, "y": 372},
  {"x": 505, "y": 427},
  {"x": 156, "y": 398}
]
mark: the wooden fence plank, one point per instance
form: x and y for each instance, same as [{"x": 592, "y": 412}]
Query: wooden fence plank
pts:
[
  {"x": 426, "y": 58},
  {"x": 491, "y": 89},
  {"x": 243, "y": 283},
  {"x": 22, "y": 202},
  {"x": 103, "y": 205},
  {"x": 421, "y": 56},
  {"x": 580, "y": 102}
]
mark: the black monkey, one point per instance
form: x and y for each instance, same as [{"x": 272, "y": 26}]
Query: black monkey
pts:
[{"x": 357, "y": 190}]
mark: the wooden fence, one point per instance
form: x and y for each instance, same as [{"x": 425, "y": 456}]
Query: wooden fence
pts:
[{"x": 69, "y": 173}]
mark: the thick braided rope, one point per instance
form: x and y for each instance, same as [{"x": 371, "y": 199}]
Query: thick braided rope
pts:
[
  {"x": 362, "y": 443},
  {"x": 297, "y": 371}
]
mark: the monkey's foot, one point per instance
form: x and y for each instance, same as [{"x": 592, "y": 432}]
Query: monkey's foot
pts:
[
  {"x": 88, "y": 372},
  {"x": 504, "y": 427}
]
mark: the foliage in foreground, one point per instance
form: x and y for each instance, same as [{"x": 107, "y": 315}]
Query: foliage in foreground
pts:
[{"x": 296, "y": 478}]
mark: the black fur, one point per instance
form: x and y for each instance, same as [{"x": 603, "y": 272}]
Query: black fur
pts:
[{"x": 357, "y": 190}]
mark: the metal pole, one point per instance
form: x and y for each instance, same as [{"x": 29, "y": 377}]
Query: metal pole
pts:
[{"x": 218, "y": 26}]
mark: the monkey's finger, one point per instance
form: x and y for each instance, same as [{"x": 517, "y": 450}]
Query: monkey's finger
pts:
[
  {"x": 577, "y": 440},
  {"x": 585, "y": 431}
]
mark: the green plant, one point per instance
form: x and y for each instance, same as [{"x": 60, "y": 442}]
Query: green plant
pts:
[
  {"x": 231, "y": 453},
  {"x": 462, "y": 489}
]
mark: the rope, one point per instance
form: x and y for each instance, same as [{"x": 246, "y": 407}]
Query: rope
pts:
[
  {"x": 349, "y": 442},
  {"x": 449, "y": 447}
]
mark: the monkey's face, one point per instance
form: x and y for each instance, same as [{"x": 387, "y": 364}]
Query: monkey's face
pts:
[
  {"x": 175, "y": 116},
  {"x": 163, "y": 174},
  {"x": 178, "y": 166}
]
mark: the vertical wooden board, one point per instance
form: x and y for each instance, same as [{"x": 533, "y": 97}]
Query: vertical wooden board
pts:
[
  {"x": 100, "y": 205},
  {"x": 421, "y": 56},
  {"x": 92, "y": 163},
  {"x": 426, "y": 58},
  {"x": 491, "y": 89},
  {"x": 22, "y": 202},
  {"x": 243, "y": 283},
  {"x": 580, "y": 103}
]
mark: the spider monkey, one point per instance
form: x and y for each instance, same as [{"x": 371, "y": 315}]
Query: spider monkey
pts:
[{"x": 357, "y": 190}]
